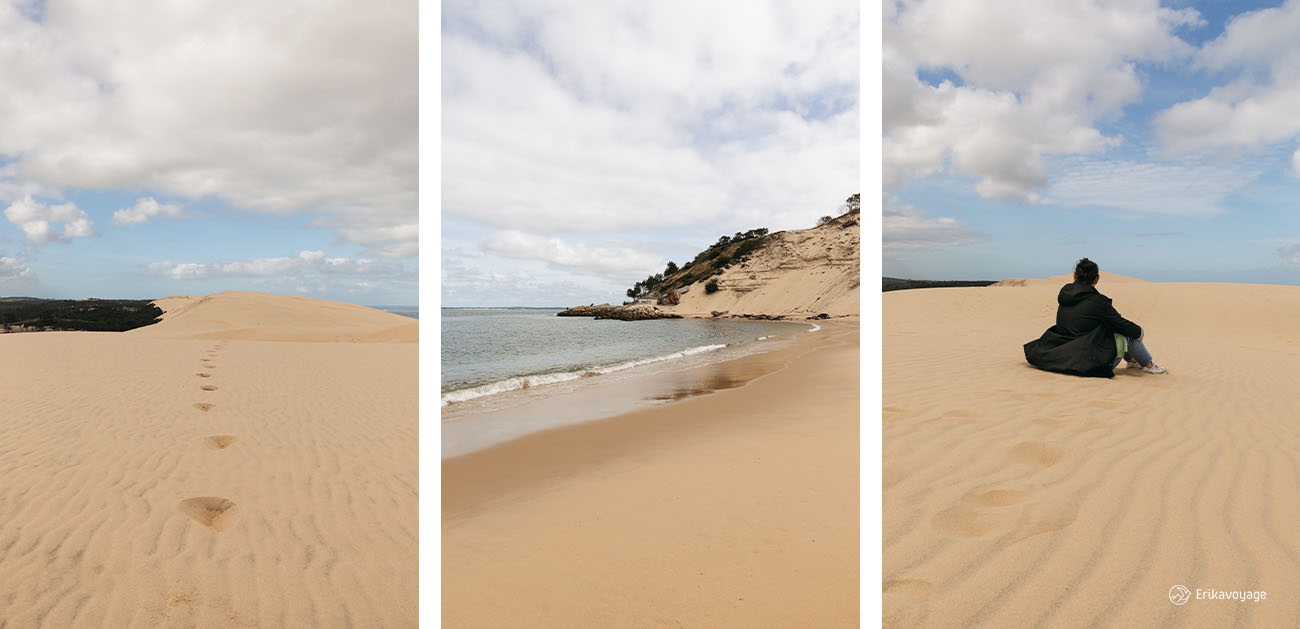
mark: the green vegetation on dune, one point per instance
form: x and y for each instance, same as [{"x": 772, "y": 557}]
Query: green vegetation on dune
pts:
[{"x": 728, "y": 250}]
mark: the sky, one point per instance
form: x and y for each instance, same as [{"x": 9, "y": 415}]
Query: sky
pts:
[
  {"x": 203, "y": 146},
  {"x": 587, "y": 144},
  {"x": 1160, "y": 140}
]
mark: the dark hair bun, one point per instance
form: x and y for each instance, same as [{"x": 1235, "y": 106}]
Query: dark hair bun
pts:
[{"x": 1086, "y": 271}]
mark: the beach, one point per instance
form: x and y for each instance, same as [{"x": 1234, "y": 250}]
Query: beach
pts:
[
  {"x": 1018, "y": 497},
  {"x": 731, "y": 508},
  {"x": 205, "y": 471}
]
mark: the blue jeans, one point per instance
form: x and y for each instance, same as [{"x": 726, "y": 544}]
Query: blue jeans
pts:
[{"x": 1136, "y": 351}]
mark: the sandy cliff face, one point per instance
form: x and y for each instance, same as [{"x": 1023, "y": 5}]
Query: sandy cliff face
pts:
[{"x": 795, "y": 273}]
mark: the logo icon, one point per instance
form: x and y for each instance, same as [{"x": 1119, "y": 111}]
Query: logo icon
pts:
[{"x": 1179, "y": 595}]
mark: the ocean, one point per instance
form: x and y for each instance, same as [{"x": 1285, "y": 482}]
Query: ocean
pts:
[{"x": 487, "y": 352}]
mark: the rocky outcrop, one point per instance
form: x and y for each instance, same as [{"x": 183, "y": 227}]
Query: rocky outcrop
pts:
[{"x": 637, "y": 312}]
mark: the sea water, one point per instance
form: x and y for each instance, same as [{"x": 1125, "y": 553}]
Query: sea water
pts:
[{"x": 487, "y": 352}]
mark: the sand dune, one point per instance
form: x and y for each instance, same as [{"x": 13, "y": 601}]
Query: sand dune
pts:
[
  {"x": 803, "y": 272},
  {"x": 147, "y": 479},
  {"x": 1017, "y": 497},
  {"x": 254, "y": 316}
]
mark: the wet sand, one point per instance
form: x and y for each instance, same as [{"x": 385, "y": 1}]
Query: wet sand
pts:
[
  {"x": 735, "y": 508},
  {"x": 474, "y": 425}
]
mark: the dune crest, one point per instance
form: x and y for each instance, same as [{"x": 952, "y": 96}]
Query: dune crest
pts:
[
  {"x": 1057, "y": 280},
  {"x": 252, "y": 316}
]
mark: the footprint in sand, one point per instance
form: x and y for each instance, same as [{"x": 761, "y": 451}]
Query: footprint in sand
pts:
[
  {"x": 979, "y": 513},
  {"x": 1037, "y": 453},
  {"x": 210, "y": 511},
  {"x": 906, "y": 602},
  {"x": 208, "y": 387},
  {"x": 203, "y": 375},
  {"x": 221, "y": 442},
  {"x": 204, "y": 406}
]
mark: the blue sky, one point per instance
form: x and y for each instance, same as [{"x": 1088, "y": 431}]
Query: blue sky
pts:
[
  {"x": 208, "y": 146},
  {"x": 1159, "y": 139},
  {"x": 585, "y": 145}
]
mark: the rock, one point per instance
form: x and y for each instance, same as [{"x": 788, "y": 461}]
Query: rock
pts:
[
  {"x": 718, "y": 313},
  {"x": 636, "y": 312}
]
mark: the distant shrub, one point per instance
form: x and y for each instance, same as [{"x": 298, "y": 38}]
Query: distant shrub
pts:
[
  {"x": 825, "y": 219},
  {"x": 746, "y": 248},
  {"x": 711, "y": 287}
]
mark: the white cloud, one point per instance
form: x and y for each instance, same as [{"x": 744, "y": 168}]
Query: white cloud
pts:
[
  {"x": 144, "y": 210},
  {"x": 384, "y": 240},
  {"x": 907, "y": 227},
  {"x": 607, "y": 260},
  {"x": 296, "y": 106},
  {"x": 36, "y": 219},
  {"x": 647, "y": 115},
  {"x": 1034, "y": 78},
  {"x": 1188, "y": 187},
  {"x": 306, "y": 263},
  {"x": 1244, "y": 113},
  {"x": 13, "y": 269}
]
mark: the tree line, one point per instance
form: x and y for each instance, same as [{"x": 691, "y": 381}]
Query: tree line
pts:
[
  {"x": 748, "y": 240},
  {"x": 95, "y": 315}
]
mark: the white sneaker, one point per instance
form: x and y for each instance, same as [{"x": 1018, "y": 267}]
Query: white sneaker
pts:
[
  {"x": 1156, "y": 369},
  {"x": 1133, "y": 364}
]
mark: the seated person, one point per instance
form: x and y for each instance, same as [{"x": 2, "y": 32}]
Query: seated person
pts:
[{"x": 1090, "y": 336}]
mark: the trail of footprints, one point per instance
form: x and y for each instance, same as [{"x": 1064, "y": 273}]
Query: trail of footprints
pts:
[{"x": 213, "y": 512}]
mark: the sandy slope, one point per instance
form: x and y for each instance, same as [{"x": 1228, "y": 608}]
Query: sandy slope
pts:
[
  {"x": 155, "y": 481},
  {"x": 262, "y": 317},
  {"x": 736, "y": 509},
  {"x": 803, "y": 272},
  {"x": 1016, "y": 497}
]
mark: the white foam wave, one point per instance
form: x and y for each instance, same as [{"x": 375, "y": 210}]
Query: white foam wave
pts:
[
  {"x": 815, "y": 327},
  {"x": 523, "y": 382},
  {"x": 509, "y": 384},
  {"x": 655, "y": 359}
]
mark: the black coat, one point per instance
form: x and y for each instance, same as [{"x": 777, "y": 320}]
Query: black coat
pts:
[{"x": 1082, "y": 342}]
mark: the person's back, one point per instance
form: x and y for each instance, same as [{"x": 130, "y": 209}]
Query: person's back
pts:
[
  {"x": 1090, "y": 336},
  {"x": 1081, "y": 309}
]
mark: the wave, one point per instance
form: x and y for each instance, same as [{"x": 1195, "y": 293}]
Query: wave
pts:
[
  {"x": 524, "y": 382},
  {"x": 815, "y": 327}
]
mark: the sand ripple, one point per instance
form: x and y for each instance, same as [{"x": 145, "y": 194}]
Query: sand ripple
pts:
[{"x": 1023, "y": 498}]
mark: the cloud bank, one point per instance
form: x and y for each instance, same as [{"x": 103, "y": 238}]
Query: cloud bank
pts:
[
  {"x": 1004, "y": 89},
  {"x": 281, "y": 108},
  {"x": 563, "y": 116}
]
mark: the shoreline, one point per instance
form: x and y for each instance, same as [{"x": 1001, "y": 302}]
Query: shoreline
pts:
[
  {"x": 713, "y": 510},
  {"x": 538, "y": 402}
]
